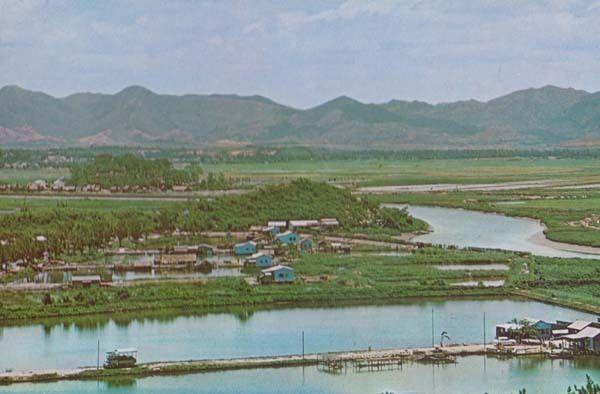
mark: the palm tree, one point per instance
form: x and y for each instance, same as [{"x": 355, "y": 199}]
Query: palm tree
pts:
[{"x": 443, "y": 335}]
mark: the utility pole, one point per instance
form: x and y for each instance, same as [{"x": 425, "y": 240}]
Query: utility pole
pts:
[
  {"x": 484, "y": 332},
  {"x": 302, "y": 345},
  {"x": 432, "y": 334}
]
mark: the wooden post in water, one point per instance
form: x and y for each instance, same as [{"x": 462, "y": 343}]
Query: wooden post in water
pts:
[{"x": 98, "y": 356}]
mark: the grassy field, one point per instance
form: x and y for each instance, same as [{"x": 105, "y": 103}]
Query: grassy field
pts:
[
  {"x": 332, "y": 279},
  {"x": 21, "y": 176},
  {"x": 373, "y": 172},
  {"x": 323, "y": 278}
]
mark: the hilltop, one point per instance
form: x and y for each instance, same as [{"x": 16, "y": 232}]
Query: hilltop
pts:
[{"x": 538, "y": 117}]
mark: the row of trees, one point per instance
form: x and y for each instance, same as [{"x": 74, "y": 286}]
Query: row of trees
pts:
[{"x": 132, "y": 170}]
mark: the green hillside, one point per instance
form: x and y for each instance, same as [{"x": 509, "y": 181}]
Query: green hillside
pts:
[{"x": 544, "y": 117}]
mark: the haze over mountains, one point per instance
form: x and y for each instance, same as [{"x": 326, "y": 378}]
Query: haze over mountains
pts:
[{"x": 531, "y": 118}]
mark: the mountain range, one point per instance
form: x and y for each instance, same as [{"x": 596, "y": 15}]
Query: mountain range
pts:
[{"x": 533, "y": 118}]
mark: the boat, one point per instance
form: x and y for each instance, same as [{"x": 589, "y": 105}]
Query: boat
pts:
[{"x": 121, "y": 358}]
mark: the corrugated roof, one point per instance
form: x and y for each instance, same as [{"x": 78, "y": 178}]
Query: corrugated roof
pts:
[
  {"x": 579, "y": 325},
  {"x": 85, "y": 278},
  {"x": 277, "y": 268},
  {"x": 588, "y": 332}
]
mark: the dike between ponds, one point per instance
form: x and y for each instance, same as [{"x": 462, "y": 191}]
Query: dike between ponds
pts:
[{"x": 447, "y": 354}]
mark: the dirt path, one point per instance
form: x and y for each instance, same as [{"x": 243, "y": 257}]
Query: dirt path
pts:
[{"x": 441, "y": 187}]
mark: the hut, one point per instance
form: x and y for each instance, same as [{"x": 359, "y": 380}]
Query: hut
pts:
[
  {"x": 277, "y": 274},
  {"x": 261, "y": 260},
  {"x": 310, "y": 223},
  {"x": 245, "y": 248},
  {"x": 85, "y": 280},
  {"x": 271, "y": 231},
  {"x": 586, "y": 340},
  {"x": 329, "y": 223},
  {"x": 306, "y": 244},
  {"x": 280, "y": 224},
  {"x": 287, "y": 238}
]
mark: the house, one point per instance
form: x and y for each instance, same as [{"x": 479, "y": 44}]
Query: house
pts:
[
  {"x": 542, "y": 328},
  {"x": 270, "y": 230},
  {"x": 587, "y": 340},
  {"x": 304, "y": 224},
  {"x": 261, "y": 260},
  {"x": 38, "y": 185},
  {"x": 277, "y": 274},
  {"x": 280, "y": 224},
  {"x": 306, "y": 244},
  {"x": 329, "y": 223},
  {"x": 287, "y": 238},
  {"x": 58, "y": 185},
  {"x": 335, "y": 247},
  {"x": 506, "y": 330},
  {"x": 245, "y": 248},
  {"x": 85, "y": 280},
  {"x": 178, "y": 258},
  {"x": 181, "y": 188},
  {"x": 578, "y": 325}
]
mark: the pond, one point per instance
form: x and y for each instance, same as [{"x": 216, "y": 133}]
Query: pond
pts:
[
  {"x": 56, "y": 276},
  {"x": 465, "y": 228},
  {"x": 264, "y": 332},
  {"x": 473, "y": 374}
]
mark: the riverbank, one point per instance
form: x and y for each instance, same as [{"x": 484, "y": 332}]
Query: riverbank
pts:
[{"x": 428, "y": 355}]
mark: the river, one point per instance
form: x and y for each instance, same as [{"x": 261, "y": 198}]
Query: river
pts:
[
  {"x": 265, "y": 332},
  {"x": 465, "y": 228}
]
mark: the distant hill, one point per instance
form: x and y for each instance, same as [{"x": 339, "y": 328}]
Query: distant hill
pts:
[{"x": 542, "y": 117}]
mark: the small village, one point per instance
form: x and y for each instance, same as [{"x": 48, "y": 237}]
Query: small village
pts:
[{"x": 267, "y": 251}]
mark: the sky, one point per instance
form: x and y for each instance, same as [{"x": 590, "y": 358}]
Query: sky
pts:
[{"x": 302, "y": 53}]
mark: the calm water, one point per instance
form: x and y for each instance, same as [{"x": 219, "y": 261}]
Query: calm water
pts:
[
  {"x": 474, "y": 374},
  {"x": 485, "y": 230},
  {"x": 271, "y": 332}
]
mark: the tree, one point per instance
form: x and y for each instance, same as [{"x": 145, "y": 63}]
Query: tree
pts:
[{"x": 589, "y": 388}]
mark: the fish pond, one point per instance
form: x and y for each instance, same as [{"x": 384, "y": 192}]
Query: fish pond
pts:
[{"x": 265, "y": 332}]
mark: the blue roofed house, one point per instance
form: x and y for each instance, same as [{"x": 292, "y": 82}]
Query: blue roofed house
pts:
[
  {"x": 288, "y": 237},
  {"x": 245, "y": 248},
  {"x": 543, "y": 328},
  {"x": 306, "y": 244},
  {"x": 277, "y": 274},
  {"x": 261, "y": 260}
]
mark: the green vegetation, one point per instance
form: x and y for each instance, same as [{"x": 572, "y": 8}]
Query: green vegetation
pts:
[
  {"x": 328, "y": 279},
  {"x": 132, "y": 170},
  {"x": 87, "y": 228},
  {"x": 546, "y": 117}
]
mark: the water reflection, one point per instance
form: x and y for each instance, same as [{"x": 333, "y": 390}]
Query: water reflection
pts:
[{"x": 242, "y": 332}]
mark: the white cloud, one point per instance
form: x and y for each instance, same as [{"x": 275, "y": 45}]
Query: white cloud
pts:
[{"x": 345, "y": 11}]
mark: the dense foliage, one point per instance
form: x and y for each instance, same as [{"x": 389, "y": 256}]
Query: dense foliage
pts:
[
  {"x": 69, "y": 230},
  {"x": 132, "y": 170}
]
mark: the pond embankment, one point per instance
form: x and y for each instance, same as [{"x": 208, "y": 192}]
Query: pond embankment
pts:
[{"x": 441, "y": 355}]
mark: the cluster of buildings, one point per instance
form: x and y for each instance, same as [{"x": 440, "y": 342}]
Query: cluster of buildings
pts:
[
  {"x": 59, "y": 185},
  {"x": 282, "y": 233},
  {"x": 580, "y": 335}
]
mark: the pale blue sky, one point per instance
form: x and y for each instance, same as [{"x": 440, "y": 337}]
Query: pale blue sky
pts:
[{"x": 302, "y": 53}]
